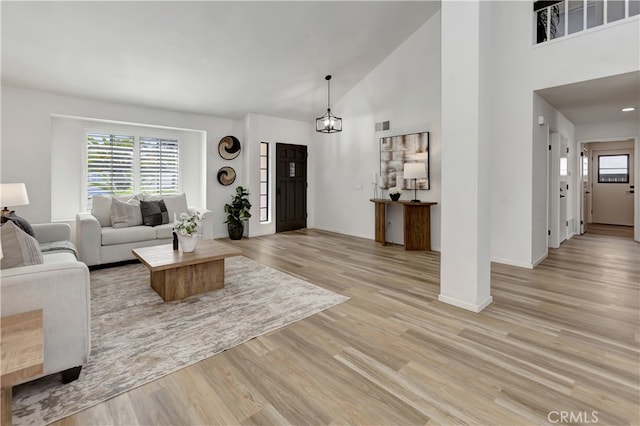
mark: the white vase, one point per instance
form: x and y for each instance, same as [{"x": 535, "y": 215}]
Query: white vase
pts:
[{"x": 188, "y": 243}]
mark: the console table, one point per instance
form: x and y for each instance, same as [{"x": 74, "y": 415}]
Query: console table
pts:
[
  {"x": 417, "y": 223},
  {"x": 22, "y": 353}
]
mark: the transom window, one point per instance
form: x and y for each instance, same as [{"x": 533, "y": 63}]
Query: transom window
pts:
[
  {"x": 126, "y": 164},
  {"x": 613, "y": 168}
]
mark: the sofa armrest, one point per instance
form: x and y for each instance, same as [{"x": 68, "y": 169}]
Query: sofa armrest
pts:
[
  {"x": 88, "y": 238},
  {"x": 62, "y": 291},
  {"x": 49, "y": 232},
  {"x": 206, "y": 227}
]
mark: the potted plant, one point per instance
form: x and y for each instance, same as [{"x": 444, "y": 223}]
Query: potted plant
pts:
[
  {"x": 186, "y": 228},
  {"x": 395, "y": 192},
  {"x": 237, "y": 212}
]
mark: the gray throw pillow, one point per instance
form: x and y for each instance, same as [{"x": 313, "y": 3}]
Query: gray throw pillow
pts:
[
  {"x": 154, "y": 213},
  {"x": 18, "y": 247},
  {"x": 20, "y": 222},
  {"x": 125, "y": 214}
]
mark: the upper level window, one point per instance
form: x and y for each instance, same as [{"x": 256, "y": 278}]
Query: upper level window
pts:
[
  {"x": 613, "y": 168},
  {"x": 125, "y": 164},
  {"x": 550, "y": 20},
  {"x": 557, "y": 18}
]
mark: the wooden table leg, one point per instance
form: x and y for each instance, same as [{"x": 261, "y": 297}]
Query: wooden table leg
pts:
[
  {"x": 6, "y": 406},
  {"x": 381, "y": 223}
]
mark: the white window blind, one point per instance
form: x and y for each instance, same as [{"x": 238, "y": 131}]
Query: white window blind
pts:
[
  {"x": 159, "y": 165},
  {"x": 110, "y": 164},
  {"x": 122, "y": 164}
]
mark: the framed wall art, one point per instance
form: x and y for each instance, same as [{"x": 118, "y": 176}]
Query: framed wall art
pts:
[{"x": 395, "y": 151}]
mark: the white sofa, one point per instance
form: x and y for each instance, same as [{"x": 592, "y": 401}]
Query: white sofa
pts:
[
  {"x": 60, "y": 287},
  {"x": 100, "y": 243}
]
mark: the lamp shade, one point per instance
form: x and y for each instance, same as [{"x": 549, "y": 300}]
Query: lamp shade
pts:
[
  {"x": 414, "y": 171},
  {"x": 13, "y": 194}
]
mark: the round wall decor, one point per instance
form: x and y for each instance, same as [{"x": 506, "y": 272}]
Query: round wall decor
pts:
[
  {"x": 226, "y": 176},
  {"x": 229, "y": 147}
]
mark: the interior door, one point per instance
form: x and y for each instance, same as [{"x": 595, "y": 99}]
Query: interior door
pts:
[
  {"x": 291, "y": 187},
  {"x": 613, "y": 186},
  {"x": 553, "y": 214},
  {"x": 585, "y": 205},
  {"x": 564, "y": 189}
]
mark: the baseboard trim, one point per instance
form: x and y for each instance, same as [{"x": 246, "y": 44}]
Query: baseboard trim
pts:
[
  {"x": 540, "y": 259},
  {"x": 513, "y": 263},
  {"x": 466, "y": 305},
  {"x": 344, "y": 232}
]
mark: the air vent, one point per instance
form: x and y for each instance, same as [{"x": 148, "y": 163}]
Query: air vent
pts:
[{"x": 382, "y": 126}]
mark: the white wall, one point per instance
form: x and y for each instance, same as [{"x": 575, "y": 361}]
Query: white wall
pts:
[
  {"x": 603, "y": 51},
  {"x": 262, "y": 128},
  {"x": 404, "y": 89},
  {"x": 27, "y": 144},
  {"x": 511, "y": 148}
]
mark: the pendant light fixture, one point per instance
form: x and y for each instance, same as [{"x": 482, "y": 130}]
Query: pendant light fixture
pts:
[{"x": 328, "y": 123}]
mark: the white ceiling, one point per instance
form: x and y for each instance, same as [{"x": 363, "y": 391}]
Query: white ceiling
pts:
[
  {"x": 220, "y": 58},
  {"x": 598, "y": 100}
]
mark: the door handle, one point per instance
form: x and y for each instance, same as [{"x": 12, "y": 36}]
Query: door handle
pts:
[
  {"x": 562, "y": 196},
  {"x": 630, "y": 192},
  {"x": 587, "y": 192}
]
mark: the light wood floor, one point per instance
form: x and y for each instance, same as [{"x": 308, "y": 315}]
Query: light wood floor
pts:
[{"x": 562, "y": 337}]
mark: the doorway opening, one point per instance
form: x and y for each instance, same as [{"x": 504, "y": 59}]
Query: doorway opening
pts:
[{"x": 608, "y": 189}]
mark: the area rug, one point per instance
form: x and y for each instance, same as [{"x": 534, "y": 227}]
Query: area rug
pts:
[{"x": 137, "y": 338}]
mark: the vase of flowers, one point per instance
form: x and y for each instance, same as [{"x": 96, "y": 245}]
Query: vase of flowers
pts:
[
  {"x": 187, "y": 231},
  {"x": 395, "y": 192}
]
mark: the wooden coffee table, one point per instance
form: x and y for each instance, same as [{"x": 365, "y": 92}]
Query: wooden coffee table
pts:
[
  {"x": 22, "y": 354},
  {"x": 176, "y": 275}
]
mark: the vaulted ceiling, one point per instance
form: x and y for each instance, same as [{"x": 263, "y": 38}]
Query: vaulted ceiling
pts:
[
  {"x": 231, "y": 58},
  {"x": 220, "y": 58}
]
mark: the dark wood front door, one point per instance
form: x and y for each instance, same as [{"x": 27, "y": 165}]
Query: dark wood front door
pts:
[{"x": 291, "y": 187}]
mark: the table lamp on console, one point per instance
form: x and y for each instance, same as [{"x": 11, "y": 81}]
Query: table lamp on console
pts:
[{"x": 414, "y": 171}]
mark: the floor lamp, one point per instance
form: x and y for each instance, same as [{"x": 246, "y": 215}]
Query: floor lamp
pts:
[{"x": 414, "y": 171}]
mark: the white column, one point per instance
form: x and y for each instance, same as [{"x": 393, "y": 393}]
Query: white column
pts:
[{"x": 465, "y": 268}]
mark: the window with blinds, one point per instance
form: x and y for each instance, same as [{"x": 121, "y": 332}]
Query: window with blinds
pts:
[
  {"x": 110, "y": 165},
  {"x": 123, "y": 164},
  {"x": 159, "y": 165}
]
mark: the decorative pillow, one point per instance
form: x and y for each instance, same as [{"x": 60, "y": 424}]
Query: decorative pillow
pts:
[
  {"x": 18, "y": 247},
  {"x": 125, "y": 214},
  {"x": 101, "y": 209},
  {"x": 20, "y": 222},
  {"x": 176, "y": 204},
  {"x": 154, "y": 212}
]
